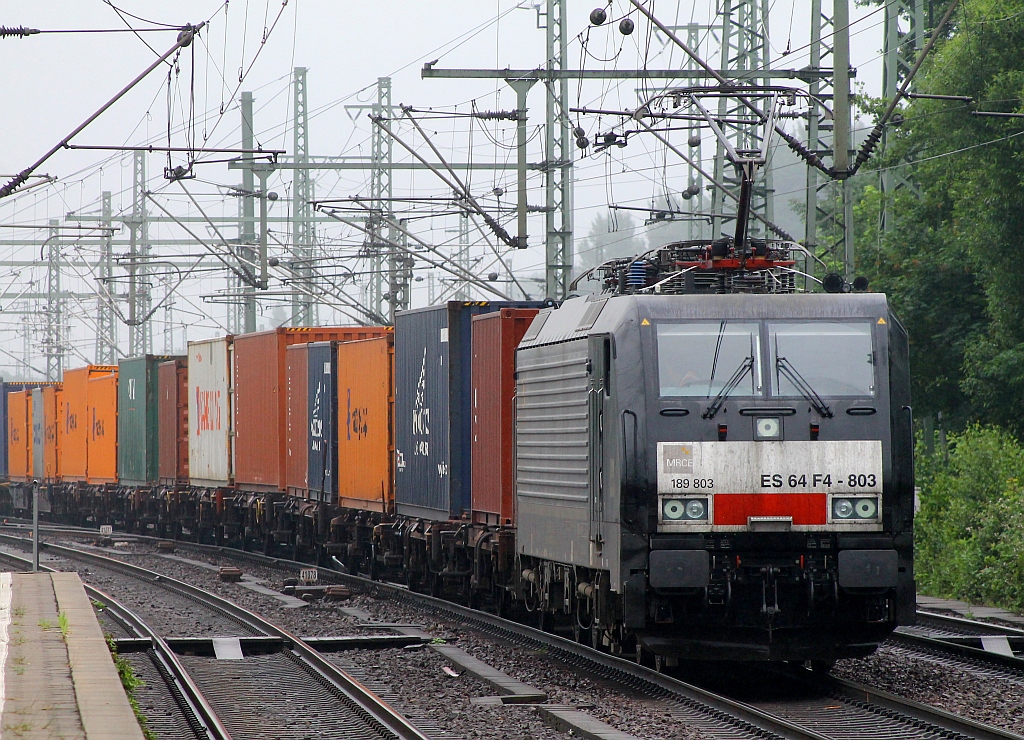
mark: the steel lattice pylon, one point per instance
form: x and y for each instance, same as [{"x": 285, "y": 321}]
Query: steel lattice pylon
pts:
[
  {"x": 140, "y": 328},
  {"x": 744, "y": 47},
  {"x": 901, "y": 47},
  {"x": 106, "y": 326},
  {"x": 558, "y": 154},
  {"x": 374, "y": 248},
  {"x": 828, "y": 229},
  {"x": 304, "y": 311},
  {"x": 53, "y": 345}
]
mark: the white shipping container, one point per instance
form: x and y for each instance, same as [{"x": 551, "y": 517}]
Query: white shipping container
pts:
[{"x": 209, "y": 412}]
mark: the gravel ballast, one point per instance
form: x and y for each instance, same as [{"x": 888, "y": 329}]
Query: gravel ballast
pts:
[{"x": 990, "y": 697}]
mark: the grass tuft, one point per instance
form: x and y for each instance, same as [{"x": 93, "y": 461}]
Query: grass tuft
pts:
[{"x": 131, "y": 683}]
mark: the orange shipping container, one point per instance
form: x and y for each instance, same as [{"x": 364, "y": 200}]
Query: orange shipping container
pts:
[
  {"x": 102, "y": 429},
  {"x": 19, "y": 437},
  {"x": 259, "y": 402},
  {"x": 365, "y": 430},
  {"x": 76, "y": 420},
  {"x": 51, "y": 456}
]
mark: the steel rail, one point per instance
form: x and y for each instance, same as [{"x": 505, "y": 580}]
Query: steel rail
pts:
[
  {"x": 758, "y": 720},
  {"x": 973, "y": 625},
  {"x": 200, "y": 714},
  {"x": 921, "y": 712},
  {"x": 372, "y": 705},
  {"x": 748, "y": 713},
  {"x": 967, "y": 628},
  {"x": 850, "y": 690}
]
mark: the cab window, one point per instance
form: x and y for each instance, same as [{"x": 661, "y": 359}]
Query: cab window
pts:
[{"x": 699, "y": 359}]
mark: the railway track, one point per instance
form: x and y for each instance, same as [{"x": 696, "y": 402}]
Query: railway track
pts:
[
  {"x": 990, "y": 649},
  {"x": 811, "y": 708},
  {"x": 191, "y": 711},
  {"x": 300, "y": 677}
]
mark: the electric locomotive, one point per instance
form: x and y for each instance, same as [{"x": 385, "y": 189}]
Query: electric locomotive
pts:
[{"x": 714, "y": 465}]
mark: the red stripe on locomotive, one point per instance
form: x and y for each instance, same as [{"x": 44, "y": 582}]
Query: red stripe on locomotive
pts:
[{"x": 805, "y": 508}]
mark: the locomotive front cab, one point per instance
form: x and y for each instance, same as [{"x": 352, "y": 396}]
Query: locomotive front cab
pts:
[{"x": 767, "y": 472}]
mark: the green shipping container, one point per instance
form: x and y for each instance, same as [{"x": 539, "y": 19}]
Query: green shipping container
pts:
[{"x": 138, "y": 438}]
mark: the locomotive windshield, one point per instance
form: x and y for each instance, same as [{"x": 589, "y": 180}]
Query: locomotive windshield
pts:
[
  {"x": 700, "y": 359},
  {"x": 835, "y": 359}
]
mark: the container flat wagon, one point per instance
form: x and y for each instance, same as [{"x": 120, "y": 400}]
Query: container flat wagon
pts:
[{"x": 696, "y": 463}]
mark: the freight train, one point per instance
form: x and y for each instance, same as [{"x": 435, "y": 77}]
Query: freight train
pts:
[{"x": 697, "y": 462}]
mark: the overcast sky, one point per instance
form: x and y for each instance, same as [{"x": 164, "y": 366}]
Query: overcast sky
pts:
[{"x": 52, "y": 82}]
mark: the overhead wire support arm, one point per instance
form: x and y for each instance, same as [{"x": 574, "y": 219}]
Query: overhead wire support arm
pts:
[
  {"x": 868, "y": 147},
  {"x": 445, "y": 262},
  {"x": 456, "y": 186},
  {"x": 518, "y": 241},
  {"x": 244, "y": 275},
  {"x": 994, "y": 114},
  {"x": 259, "y": 153},
  {"x": 802, "y": 151},
  {"x": 185, "y": 37},
  {"x": 778, "y": 230}
]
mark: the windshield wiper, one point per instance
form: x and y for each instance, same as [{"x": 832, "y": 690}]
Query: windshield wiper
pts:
[
  {"x": 786, "y": 368},
  {"x": 737, "y": 377}
]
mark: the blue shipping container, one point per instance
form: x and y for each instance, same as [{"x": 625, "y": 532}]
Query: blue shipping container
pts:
[
  {"x": 433, "y": 407},
  {"x": 323, "y": 409}
]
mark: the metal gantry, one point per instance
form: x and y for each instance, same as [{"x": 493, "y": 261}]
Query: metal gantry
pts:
[
  {"x": 695, "y": 180},
  {"x": 304, "y": 311},
  {"x": 744, "y": 57},
  {"x": 900, "y": 48},
  {"x": 53, "y": 339},
  {"x": 106, "y": 318},
  {"x": 246, "y": 226},
  {"x": 828, "y": 224},
  {"x": 744, "y": 52},
  {"x": 558, "y": 156},
  {"x": 375, "y": 249},
  {"x": 140, "y": 328}
]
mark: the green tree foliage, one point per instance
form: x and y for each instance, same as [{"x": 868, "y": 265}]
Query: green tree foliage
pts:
[
  {"x": 970, "y": 529},
  {"x": 952, "y": 262}
]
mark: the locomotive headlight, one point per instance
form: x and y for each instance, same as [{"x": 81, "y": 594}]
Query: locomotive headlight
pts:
[
  {"x": 695, "y": 509},
  {"x": 866, "y": 508},
  {"x": 685, "y": 510},
  {"x": 855, "y": 509},
  {"x": 842, "y": 508},
  {"x": 674, "y": 509},
  {"x": 768, "y": 427}
]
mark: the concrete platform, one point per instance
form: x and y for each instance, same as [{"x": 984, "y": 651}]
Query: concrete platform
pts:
[
  {"x": 58, "y": 679},
  {"x": 971, "y": 611}
]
